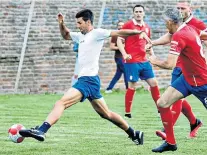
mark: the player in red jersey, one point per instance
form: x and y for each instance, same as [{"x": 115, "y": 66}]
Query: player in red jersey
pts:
[
  {"x": 136, "y": 64},
  {"x": 182, "y": 105},
  {"x": 186, "y": 44}
]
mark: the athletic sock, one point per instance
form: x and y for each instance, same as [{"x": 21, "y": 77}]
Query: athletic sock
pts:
[
  {"x": 187, "y": 111},
  {"x": 128, "y": 99},
  {"x": 44, "y": 127},
  {"x": 167, "y": 121},
  {"x": 130, "y": 131},
  {"x": 155, "y": 93},
  {"x": 176, "y": 109}
]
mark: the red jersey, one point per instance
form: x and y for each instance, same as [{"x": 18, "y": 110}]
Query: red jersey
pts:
[
  {"x": 187, "y": 44},
  {"x": 133, "y": 44},
  {"x": 195, "y": 23}
]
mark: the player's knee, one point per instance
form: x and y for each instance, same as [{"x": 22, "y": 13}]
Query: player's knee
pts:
[{"x": 161, "y": 103}]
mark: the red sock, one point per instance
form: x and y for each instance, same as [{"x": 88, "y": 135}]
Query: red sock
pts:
[
  {"x": 176, "y": 109},
  {"x": 187, "y": 111},
  {"x": 128, "y": 99},
  {"x": 155, "y": 93},
  {"x": 167, "y": 121}
]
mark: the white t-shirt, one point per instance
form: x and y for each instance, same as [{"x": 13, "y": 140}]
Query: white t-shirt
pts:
[{"x": 90, "y": 46}]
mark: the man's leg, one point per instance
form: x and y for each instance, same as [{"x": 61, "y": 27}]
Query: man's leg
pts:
[
  {"x": 116, "y": 77},
  {"x": 170, "y": 96},
  {"x": 102, "y": 109},
  {"x": 129, "y": 96},
  {"x": 152, "y": 82},
  {"x": 71, "y": 97}
]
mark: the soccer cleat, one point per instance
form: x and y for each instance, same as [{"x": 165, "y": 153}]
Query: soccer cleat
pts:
[
  {"x": 138, "y": 138},
  {"x": 34, "y": 133},
  {"x": 165, "y": 147},
  {"x": 194, "y": 128},
  {"x": 128, "y": 115},
  {"x": 161, "y": 134}
]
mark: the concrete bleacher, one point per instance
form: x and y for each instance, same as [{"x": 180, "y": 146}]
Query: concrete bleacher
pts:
[{"x": 49, "y": 60}]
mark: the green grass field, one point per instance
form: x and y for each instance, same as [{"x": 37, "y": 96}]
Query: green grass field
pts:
[{"x": 82, "y": 132}]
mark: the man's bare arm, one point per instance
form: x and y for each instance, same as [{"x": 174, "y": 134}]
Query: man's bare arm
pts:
[
  {"x": 125, "y": 32},
  {"x": 120, "y": 45},
  {"x": 65, "y": 32},
  {"x": 170, "y": 63},
  {"x": 165, "y": 39}
]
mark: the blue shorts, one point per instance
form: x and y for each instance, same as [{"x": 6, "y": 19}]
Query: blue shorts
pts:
[
  {"x": 142, "y": 70},
  {"x": 177, "y": 72},
  {"x": 182, "y": 86},
  {"x": 89, "y": 86}
]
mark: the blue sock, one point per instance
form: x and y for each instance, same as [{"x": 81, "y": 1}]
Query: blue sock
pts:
[
  {"x": 130, "y": 132},
  {"x": 44, "y": 127}
]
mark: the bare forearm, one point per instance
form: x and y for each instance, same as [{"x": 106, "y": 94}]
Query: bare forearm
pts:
[
  {"x": 125, "y": 32},
  {"x": 162, "y": 64},
  {"x": 121, "y": 47},
  {"x": 165, "y": 39},
  {"x": 64, "y": 30}
]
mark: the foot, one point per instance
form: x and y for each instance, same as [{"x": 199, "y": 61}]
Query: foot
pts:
[
  {"x": 161, "y": 134},
  {"x": 128, "y": 115},
  {"x": 194, "y": 128},
  {"x": 108, "y": 91},
  {"x": 34, "y": 133},
  {"x": 165, "y": 147},
  {"x": 138, "y": 138}
]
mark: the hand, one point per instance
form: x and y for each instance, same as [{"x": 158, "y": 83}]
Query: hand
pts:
[
  {"x": 127, "y": 57},
  {"x": 148, "y": 46},
  {"x": 60, "y": 18},
  {"x": 152, "y": 59},
  {"x": 143, "y": 35},
  {"x": 148, "y": 49}
]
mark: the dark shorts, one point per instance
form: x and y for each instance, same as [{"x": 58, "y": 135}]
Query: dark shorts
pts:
[
  {"x": 134, "y": 71},
  {"x": 182, "y": 86},
  {"x": 89, "y": 86}
]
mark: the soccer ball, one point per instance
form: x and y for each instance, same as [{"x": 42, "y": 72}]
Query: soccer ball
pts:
[{"x": 14, "y": 135}]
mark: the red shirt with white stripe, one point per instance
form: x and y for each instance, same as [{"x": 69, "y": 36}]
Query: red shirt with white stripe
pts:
[
  {"x": 198, "y": 24},
  {"x": 133, "y": 44},
  {"x": 187, "y": 44}
]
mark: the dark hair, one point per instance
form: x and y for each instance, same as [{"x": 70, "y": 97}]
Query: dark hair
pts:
[
  {"x": 137, "y": 6},
  {"x": 86, "y": 14}
]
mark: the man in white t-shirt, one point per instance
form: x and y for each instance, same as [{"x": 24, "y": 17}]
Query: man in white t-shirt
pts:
[{"x": 88, "y": 86}]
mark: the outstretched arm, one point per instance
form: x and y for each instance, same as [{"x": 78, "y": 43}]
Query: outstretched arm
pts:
[
  {"x": 65, "y": 32},
  {"x": 170, "y": 63},
  {"x": 165, "y": 39}
]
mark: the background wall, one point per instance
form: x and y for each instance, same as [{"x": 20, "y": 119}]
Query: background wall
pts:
[{"x": 49, "y": 60}]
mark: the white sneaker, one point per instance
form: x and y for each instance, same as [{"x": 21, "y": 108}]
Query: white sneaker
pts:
[{"x": 108, "y": 91}]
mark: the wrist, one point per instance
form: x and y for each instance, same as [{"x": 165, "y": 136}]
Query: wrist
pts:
[{"x": 61, "y": 22}]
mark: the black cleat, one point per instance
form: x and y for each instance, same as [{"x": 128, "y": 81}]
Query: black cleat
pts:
[
  {"x": 165, "y": 147},
  {"x": 194, "y": 128},
  {"x": 34, "y": 133},
  {"x": 128, "y": 115},
  {"x": 138, "y": 138}
]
